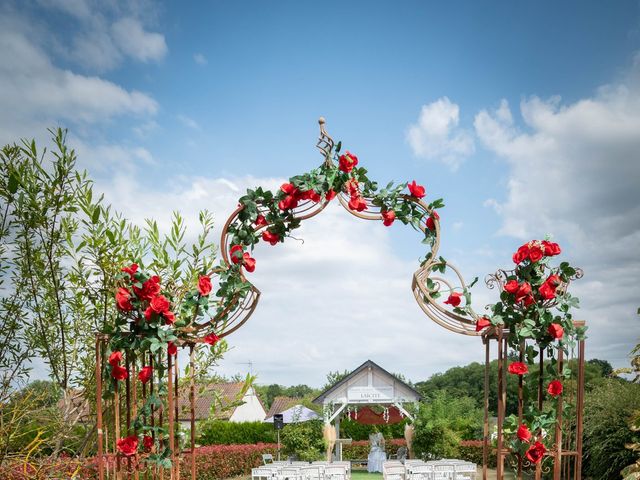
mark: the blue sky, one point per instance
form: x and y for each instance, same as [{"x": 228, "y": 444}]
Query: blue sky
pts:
[{"x": 524, "y": 116}]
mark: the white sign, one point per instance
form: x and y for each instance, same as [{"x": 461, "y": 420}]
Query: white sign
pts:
[{"x": 370, "y": 394}]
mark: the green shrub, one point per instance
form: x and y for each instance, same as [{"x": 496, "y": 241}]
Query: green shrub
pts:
[
  {"x": 359, "y": 450},
  {"x": 220, "y": 432},
  {"x": 607, "y": 411},
  {"x": 304, "y": 440},
  {"x": 442, "y": 423},
  {"x": 358, "y": 431},
  {"x": 471, "y": 451}
]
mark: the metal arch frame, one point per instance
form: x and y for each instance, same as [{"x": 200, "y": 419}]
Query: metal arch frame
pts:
[{"x": 240, "y": 309}]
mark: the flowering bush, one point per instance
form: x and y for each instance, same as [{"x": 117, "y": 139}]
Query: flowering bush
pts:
[
  {"x": 535, "y": 308},
  {"x": 471, "y": 451},
  {"x": 226, "y": 461}
]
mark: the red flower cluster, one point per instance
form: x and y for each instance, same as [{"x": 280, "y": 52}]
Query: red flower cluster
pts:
[
  {"x": 555, "y": 331},
  {"x": 211, "y": 339},
  {"x": 238, "y": 255},
  {"x": 294, "y": 195},
  {"x": 204, "y": 285},
  {"x": 172, "y": 348},
  {"x": 522, "y": 291},
  {"x": 548, "y": 289},
  {"x": 523, "y": 433},
  {"x": 431, "y": 220},
  {"x": 416, "y": 190},
  {"x": 518, "y": 368},
  {"x": 270, "y": 237},
  {"x": 388, "y": 217},
  {"x": 535, "y": 250},
  {"x": 454, "y": 299},
  {"x": 127, "y": 446},
  {"x": 149, "y": 294},
  {"x": 536, "y": 452},
  {"x": 482, "y": 323},
  {"x": 147, "y": 442},
  {"x": 117, "y": 371},
  {"x": 357, "y": 201},
  {"x": 555, "y": 388},
  {"x": 145, "y": 374},
  {"x": 347, "y": 162}
]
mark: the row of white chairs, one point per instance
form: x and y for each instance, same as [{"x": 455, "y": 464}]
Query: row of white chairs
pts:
[
  {"x": 445, "y": 469},
  {"x": 303, "y": 471}
]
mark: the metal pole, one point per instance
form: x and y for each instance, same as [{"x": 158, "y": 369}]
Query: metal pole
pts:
[
  {"x": 192, "y": 399},
  {"x": 99, "y": 406},
  {"x": 500, "y": 464},
  {"x": 485, "y": 439}
]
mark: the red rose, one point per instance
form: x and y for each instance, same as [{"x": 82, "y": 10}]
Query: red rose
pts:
[
  {"x": 148, "y": 313},
  {"x": 147, "y": 442},
  {"x": 551, "y": 248},
  {"x": 288, "y": 188},
  {"x": 160, "y": 304},
  {"x": 536, "y": 452},
  {"x": 270, "y": 237},
  {"x": 123, "y": 300},
  {"x": 149, "y": 289},
  {"x": 248, "y": 262},
  {"x": 416, "y": 190},
  {"x": 523, "y": 433},
  {"x": 535, "y": 253},
  {"x": 358, "y": 204},
  {"x": 554, "y": 388},
  {"x": 454, "y": 299},
  {"x": 169, "y": 317},
  {"x": 172, "y": 348},
  {"x": 431, "y": 220},
  {"x": 347, "y": 162},
  {"x": 511, "y": 286},
  {"x": 131, "y": 270},
  {"x": 388, "y": 217},
  {"x": 236, "y": 253},
  {"x": 353, "y": 187},
  {"x": 482, "y": 323},
  {"x": 548, "y": 289},
  {"x": 128, "y": 445},
  {"x": 314, "y": 196},
  {"x": 523, "y": 291},
  {"x": 330, "y": 195},
  {"x": 289, "y": 202},
  {"x": 211, "y": 339},
  {"x": 204, "y": 285},
  {"x": 518, "y": 368},
  {"x": 118, "y": 372},
  {"x": 556, "y": 331},
  {"x": 115, "y": 358},
  {"x": 528, "y": 300},
  {"x": 522, "y": 254},
  {"x": 145, "y": 374},
  {"x": 261, "y": 221}
]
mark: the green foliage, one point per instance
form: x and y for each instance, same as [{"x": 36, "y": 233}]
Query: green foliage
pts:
[
  {"x": 303, "y": 440},
  {"x": 442, "y": 423},
  {"x": 608, "y": 409},
  {"x": 220, "y": 432},
  {"x": 358, "y": 431},
  {"x": 268, "y": 392},
  {"x": 334, "y": 378}
]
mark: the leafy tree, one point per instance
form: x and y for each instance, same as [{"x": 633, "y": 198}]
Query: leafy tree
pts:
[
  {"x": 335, "y": 377},
  {"x": 442, "y": 422},
  {"x": 304, "y": 440},
  {"x": 607, "y": 411}
]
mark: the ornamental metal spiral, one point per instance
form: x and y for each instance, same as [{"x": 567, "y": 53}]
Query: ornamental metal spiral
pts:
[{"x": 426, "y": 287}]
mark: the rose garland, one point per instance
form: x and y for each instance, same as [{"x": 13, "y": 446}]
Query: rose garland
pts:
[{"x": 535, "y": 306}]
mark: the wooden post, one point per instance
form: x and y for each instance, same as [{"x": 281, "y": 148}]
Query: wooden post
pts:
[
  {"x": 557, "y": 464},
  {"x": 485, "y": 438},
  {"x": 192, "y": 400},
  {"x": 500, "y": 463},
  {"x": 99, "y": 406}
]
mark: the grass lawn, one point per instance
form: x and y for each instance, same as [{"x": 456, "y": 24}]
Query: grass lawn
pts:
[{"x": 364, "y": 475}]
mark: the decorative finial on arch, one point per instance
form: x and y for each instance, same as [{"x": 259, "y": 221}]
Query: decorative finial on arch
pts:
[{"x": 325, "y": 142}]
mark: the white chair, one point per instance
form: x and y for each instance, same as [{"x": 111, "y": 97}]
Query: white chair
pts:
[
  {"x": 261, "y": 473},
  {"x": 289, "y": 473},
  {"x": 420, "y": 472},
  {"x": 346, "y": 464},
  {"x": 335, "y": 472},
  {"x": 311, "y": 472},
  {"x": 443, "y": 471},
  {"x": 465, "y": 471},
  {"x": 393, "y": 472}
]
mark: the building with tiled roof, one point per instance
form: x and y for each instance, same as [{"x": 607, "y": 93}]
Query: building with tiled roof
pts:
[
  {"x": 280, "y": 404},
  {"x": 222, "y": 401}
]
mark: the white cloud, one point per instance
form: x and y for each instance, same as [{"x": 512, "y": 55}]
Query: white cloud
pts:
[
  {"x": 34, "y": 93},
  {"x": 188, "y": 122},
  {"x": 436, "y": 135},
  {"x": 137, "y": 43},
  {"x": 200, "y": 59},
  {"x": 574, "y": 173}
]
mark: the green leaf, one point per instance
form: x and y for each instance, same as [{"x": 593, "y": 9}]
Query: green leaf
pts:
[
  {"x": 96, "y": 215},
  {"x": 13, "y": 183}
]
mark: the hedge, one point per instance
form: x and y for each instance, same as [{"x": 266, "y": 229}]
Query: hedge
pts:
[
  {"x": 471, "y": 451},
  {"x": 221, "y": 432}
]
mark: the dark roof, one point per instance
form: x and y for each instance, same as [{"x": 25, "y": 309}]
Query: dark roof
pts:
[
  {"x": 362, "y": 367},
  {"x": 280, "y": 404},
  {"x": 220, "y": 394}
]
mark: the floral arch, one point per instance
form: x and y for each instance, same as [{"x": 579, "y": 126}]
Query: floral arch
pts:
[{"x": 149, "y": 332}]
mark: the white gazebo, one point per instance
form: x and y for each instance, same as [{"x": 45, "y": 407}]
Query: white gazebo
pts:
[{"x": 367, "y": 385}]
